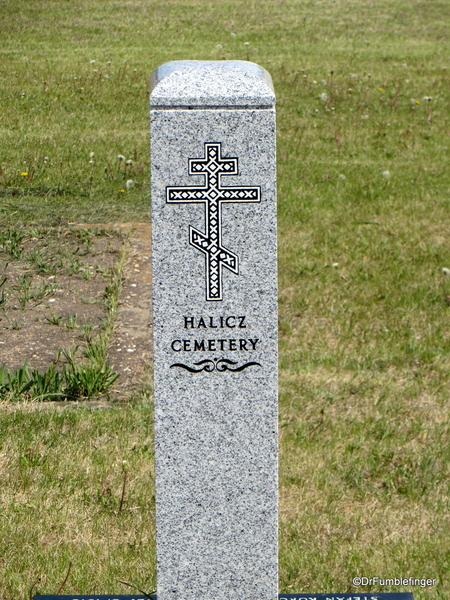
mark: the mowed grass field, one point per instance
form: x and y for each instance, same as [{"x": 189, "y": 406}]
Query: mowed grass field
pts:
[{"x": 363, "y": 93}]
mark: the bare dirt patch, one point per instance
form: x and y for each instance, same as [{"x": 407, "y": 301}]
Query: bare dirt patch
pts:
[
  {"x": 130, "y": 349},
  {"x": 52, "y": 291}
]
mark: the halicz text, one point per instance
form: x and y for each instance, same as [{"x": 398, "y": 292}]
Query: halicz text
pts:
[{"x": 222, "y": 322}]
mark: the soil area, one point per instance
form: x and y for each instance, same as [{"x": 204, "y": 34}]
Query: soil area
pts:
[
  {"x": 52, "y": 290},
  {"x": 131, "y": 346}
]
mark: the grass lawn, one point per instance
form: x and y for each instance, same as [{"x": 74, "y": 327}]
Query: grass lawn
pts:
[{"x": 363, "y": 96}]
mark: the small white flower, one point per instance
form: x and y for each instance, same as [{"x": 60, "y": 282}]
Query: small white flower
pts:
[
  {"x": 323, "y": 82},
  {"x": 246, "y": 43},
  {"x": 129, "y": 162},
  {"x": 342, "y": 177},
  {"x": 386, "y": 174},
  {"x": 365, "y": 117},
  {"x": 233, "y": 35},
  {"x": 335, "y": 265},
  {"x": 219, "y": 46},
  {"x": 427, "y": 98},
  {"x": 106, "y": 76},
  {"x": 120, "y": 157},
  {"x": 353, "y": 76},
  {"x": 91, "y": 162},
  {"x": 314, "y": 82},
  {"x": 324, "y": 97},
  {"x": 91, "y": 154},
  {"x": 92, "y": 62},
  {"x": 446, "y": 271},
  {"x": 95, "y": 70},
  {"x": 129, "y": 184}
]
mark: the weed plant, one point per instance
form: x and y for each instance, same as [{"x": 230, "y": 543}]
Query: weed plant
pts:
[{"x": 364, "y": 288}]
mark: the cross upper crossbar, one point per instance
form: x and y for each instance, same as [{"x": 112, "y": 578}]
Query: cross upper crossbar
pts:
[{"x": 212, "y": 195}]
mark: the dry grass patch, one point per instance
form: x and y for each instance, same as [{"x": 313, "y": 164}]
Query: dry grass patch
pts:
[{"x": 78, "y": 487}]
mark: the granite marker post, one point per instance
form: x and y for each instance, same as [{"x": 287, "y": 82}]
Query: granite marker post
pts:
[{"x": 215, "y": 330}]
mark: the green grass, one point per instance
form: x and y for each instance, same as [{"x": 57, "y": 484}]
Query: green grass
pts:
[
  {"x": 62, "y": 485},
  {"x": 364, "y": 188}
]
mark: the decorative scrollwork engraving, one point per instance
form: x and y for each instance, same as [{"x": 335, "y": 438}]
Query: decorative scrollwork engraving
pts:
[{"x": 216, "y": 364}]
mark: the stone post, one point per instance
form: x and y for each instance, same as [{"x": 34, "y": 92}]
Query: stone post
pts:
[{"x": 213, "y": 185}]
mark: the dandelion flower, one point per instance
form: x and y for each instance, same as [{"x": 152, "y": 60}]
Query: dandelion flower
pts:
[
  {"x": 121, "y": 191},
  {"x": 380, "y": 89},
  {"x": 129, "y": 184},
  {"x": 24, "y": 173},
  {"x": 386, "y": 174}
]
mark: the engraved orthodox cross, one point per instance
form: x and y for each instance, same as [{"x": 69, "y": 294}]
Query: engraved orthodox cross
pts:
[{"x": 212, "y": 194}]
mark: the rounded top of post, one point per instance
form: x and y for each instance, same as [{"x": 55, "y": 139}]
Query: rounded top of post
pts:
[{"x": 211, "y": 84}]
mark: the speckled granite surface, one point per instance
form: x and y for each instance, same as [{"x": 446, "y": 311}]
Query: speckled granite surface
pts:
[
  {"x": 215, "y": 330},
  {"x": 218, "y": 84}
]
